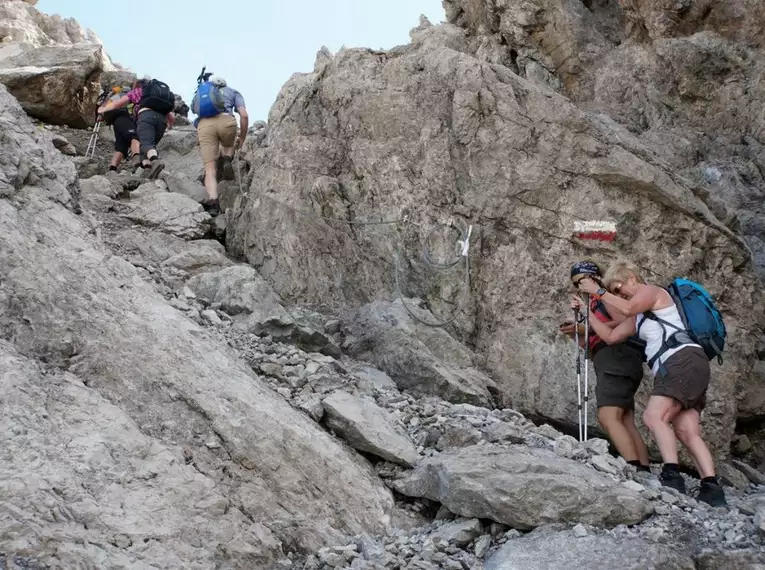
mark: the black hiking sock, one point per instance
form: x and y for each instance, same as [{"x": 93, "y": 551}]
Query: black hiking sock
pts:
[
  {"x": 670, "y": 467},
  {"x": 712, "y": 479},
  {"x": 639, "y": 466},
  {"x": 112, "y": 168}
]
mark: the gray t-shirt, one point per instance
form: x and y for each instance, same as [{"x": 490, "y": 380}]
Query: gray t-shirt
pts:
[{"x": 232, "y": 98}]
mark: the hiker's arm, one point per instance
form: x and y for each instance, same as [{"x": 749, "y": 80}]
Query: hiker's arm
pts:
[
  {"x": 170, "y": 120},
  {"x": 111, "y": 105},
  {"x": 643, "y": 301},
  {"x": 622, "y": 332},
  {"x": 616, "y": 316},
  {"x": 577, "y": 305},
  {"x": 244, "y": 124}
]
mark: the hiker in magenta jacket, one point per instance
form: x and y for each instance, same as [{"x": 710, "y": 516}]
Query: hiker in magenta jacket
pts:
[
  {"x": 150, "y": 125},
  {"x": 681, "y": 374}
]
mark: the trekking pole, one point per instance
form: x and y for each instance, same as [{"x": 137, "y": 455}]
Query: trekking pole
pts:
[
  {"x": 586, "y": 366},
  {"x": 90, "y": 152},
  {"x": 578, "y": 369}
]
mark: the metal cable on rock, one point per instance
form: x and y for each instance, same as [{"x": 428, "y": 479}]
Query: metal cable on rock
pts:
[
  {"x": 462, "y": 255},
  {"x": 462, "y": 246}
]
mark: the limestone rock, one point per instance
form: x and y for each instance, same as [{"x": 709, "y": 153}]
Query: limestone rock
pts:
[
  {"x": 440, "y": 131},
  {"x": 100, "y": 185},
  {"x": 423, "y": 359},
  {"x": 242, "y": 293},
  {"x": 369, "y": 428},
  {"x": 115, "y": 429},
  {"x": 523, "y": 488},
  {"x": 200, "y": 255},
  {"x": 29, "y": 157},
  {"x": 740, "y": 560},
  {"x": 149, "y": 188},
  {"x": 544, "y": 550},
  {"x": 460, "y": 533},
  {"x": 56, "y": 84},
  {"x": 181, "y": 184},
  {"x": 171, "y": 213},
  {"x": 64, "y": 146}
]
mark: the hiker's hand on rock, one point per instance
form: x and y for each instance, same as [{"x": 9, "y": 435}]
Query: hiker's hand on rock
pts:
[
  {"x": 588, "y": 285},
  {"x": 568, "y": 328}
]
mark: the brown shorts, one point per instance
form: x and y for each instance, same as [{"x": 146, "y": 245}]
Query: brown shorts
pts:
[
  {"x": 213, "y": 131},
  {"x": 619, "y": 371},
  {"x": 685, "y": 378}
]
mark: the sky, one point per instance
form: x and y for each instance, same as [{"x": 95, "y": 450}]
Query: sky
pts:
[{"x": 256, "y": 45}]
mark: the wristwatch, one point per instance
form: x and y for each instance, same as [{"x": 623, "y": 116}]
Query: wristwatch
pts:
[{"x": 600, "y": 292}]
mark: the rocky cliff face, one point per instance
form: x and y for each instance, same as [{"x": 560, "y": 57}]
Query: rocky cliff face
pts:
[{"x": 474, "y": 121}]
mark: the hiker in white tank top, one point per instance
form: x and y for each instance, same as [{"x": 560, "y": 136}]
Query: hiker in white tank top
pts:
[
  {"x": 681, "y": 374},
  {"x": 655, "y": 333}
]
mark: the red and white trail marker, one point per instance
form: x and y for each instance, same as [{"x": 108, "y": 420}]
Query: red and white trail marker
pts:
[{"x": 597, "y": 230}]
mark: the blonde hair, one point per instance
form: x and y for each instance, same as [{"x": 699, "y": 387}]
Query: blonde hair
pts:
[{"x": 620, "y": 271}]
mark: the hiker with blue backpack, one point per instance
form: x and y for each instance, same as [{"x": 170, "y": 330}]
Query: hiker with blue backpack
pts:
[
  {"x": 153, "y": 105},
  {"x": 682, "y": 330},
  {"x": 214, "y": 104}
]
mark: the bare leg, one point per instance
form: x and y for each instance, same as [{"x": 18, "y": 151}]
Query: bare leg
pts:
[
  {"x": 612, "y": 420},
  {"x": 211, "y": 183},
  {"x": 689, "y": 432},
  {"x": 657, "y": 416},
  {"x": 642, "y": 451},
  {"x": 116, "y": 159}
]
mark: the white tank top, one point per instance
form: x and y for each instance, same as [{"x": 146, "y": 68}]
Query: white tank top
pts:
[{"x": 653, "y": 334}]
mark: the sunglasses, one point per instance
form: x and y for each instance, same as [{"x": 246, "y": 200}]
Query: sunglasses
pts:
[{"x": 616, "y": 289}]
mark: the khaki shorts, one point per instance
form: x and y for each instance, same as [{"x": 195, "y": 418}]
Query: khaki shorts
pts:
[{"x": 214, "y": 131}]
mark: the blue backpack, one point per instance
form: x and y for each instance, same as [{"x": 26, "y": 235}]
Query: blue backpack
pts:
[
  {"x": 208, "y": 101},
  {"x": 703, "y": 322}
]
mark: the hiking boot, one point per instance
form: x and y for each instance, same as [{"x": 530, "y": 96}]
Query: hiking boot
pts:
[
  {"x": 673, "y": 480},
  {"x": 212, "y": 207},
  {"x": 228, "y": 168},
  {"x": 155, "y": 169},
  {"x": 712, "y": 494}
]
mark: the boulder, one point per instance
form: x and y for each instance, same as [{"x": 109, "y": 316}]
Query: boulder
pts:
[
  {"x": 369, "y": 428},
  {"x": 171, "y": 213},
  {"x": 243, "y": 294},
  {"x": 181, "y": 184},
  {"x": 149, "y": 188},
  {"x": 523, "y": 488},
  {"x": 139, "y": 431},
  {"x": 99, "y": 185},
  {"x": 423, "y": 359},
  {"x": 548, "y": 550},
  {"x": 459, "y": 533},
  {"x": 202, "y": 255},
  {"x": 56, "y": 84}
]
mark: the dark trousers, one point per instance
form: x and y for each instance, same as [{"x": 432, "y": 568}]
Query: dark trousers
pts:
[{"x": 151, "y": 127}]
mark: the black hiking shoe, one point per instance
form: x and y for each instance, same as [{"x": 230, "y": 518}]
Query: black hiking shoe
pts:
[
  {"x": 155, "y": 169},
  {"x": 712, "y": 494},
  {"x": 212, "y": 207},
  {"x": 673, "y": 480},
  {"x": 228, "y": 168}
]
